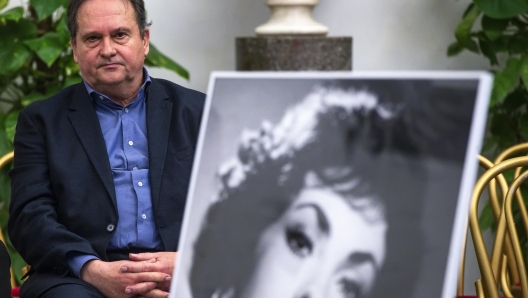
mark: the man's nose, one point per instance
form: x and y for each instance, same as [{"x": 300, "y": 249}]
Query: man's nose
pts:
[{"x": 108, "y": 48}]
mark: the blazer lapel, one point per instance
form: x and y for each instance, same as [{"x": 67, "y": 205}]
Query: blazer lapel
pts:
[
  {"x": 87, "y": 126},
  {"x": 159, "y": 113}
]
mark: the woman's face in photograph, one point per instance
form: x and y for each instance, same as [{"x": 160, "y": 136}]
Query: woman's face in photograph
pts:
[{"x": 320, "y": 247}]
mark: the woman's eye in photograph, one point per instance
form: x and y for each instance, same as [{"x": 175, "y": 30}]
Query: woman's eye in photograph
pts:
[
  {"x": 298, "y": 242},
  {"x": 349, "y": 288}
]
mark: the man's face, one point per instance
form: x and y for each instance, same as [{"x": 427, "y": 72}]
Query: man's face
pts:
[{"x": 109, "y": 48}]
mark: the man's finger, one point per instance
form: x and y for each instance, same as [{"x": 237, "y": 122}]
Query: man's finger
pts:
[
  {"x": 141, "y": 267},
  {"x": 141, "y": 288},
  {"x": 144, "y": 256},
  {"x": 147, "y": 282},
  {"x": 156, "y": 293}
]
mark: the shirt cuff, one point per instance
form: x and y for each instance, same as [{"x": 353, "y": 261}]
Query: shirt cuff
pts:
[{"x": 76, "y": 261}]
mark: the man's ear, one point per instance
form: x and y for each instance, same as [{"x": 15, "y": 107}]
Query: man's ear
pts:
[
  {"x": 146, "y": 40},
  {"x": 74, "y": 49}
]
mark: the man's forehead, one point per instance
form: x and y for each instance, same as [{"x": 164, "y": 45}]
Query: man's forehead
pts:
[
  {"x": 96, "y": 16},
  {"x": 100, "y": 7}
]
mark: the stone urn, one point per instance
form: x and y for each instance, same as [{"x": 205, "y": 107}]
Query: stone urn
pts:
[{"x": 291, "y": 17}]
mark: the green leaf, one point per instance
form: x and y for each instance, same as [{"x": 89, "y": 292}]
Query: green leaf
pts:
[
  {"x": 489, "y": 51},
  {"x": 44, "y": 9},
  {"x": 523, "y": 70},
  {"x": 518, "y": 44},
  {"x": 502, "y": 43},
  {"x": 5, "y": 143},
  {"x": 12, "y": 57},
  {"x": 463, "y": 30},
  {"x": 14, "y": 14},
  {"x": 18, "y": 264},
  {"x": 515, "y": 100},
  {"x": 156, "y": 58},
  {"x": 15, "y": 32},
  {"x": 3, "y": 4},
  {"x": 62, "y": 29},
  {"x": 72, "y": 80},
  {"x": 504, "y": 81},
  {"x": 493, "y": 28},
  {"x": 523, "y": 124},
  {"x": 503, "y": 131},
  {"x": 48, "y": 47},
  {"x": 454, "y": 49},
  {"x": 32, "y": 97},
  {"x": 502, "y": 9},
  {"x": 36, "y": 96},
  {"x": 10, "y": 124}
]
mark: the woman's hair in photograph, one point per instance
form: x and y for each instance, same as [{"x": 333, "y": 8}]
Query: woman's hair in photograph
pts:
[{"x": 336, "y": 138}]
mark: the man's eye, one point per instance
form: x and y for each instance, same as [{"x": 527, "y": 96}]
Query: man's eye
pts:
[
  {"x": 92, "y": 38},
  {"x": 120, "y": 35},
  {"x": 299, "y": 243},
  {"x": 349, "y": 288}
]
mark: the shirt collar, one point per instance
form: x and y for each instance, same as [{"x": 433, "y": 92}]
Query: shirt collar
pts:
[{"x": 146, "y": 83}]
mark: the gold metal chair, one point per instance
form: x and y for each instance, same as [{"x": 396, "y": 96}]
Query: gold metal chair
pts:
[
  {"x": 503, "y": 267},
  {"x": 485, "y": 164},
  {"x": 508, "y": 211},
  {"x": 514, "y": 151},
  {"x": 4, "y": 161}
]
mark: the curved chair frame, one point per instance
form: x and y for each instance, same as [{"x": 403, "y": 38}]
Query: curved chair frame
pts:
[
  {"x": 508, "y": 212},
  {"x": 489, "y": 280},
  {"x": 5, "y": 160}
]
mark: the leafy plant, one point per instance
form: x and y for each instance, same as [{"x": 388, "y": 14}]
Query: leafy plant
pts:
[
  {"x": 36, "y": 61},
  {"x": 498, "y": 30}
]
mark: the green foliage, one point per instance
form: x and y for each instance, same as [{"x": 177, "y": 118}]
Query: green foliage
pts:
[
  {"x": 502, "y": 9},
  {"x": 37, "y": 61},
  {"x": 502, "y": 38}
]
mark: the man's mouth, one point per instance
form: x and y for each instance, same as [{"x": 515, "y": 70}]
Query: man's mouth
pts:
[{"x": 109, "y": 65}]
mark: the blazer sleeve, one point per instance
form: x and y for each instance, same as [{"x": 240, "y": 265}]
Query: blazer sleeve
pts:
[{"x": 33, "y": 226}]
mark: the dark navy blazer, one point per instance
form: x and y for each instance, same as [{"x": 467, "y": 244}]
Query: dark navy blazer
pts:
[{"x": 63, "y": 196}]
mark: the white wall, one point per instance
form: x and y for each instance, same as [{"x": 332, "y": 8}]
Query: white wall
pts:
[{"x": 388, "y": 34}]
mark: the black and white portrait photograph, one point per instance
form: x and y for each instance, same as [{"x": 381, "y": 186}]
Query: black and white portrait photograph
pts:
[{"x": 330, "y": 185}]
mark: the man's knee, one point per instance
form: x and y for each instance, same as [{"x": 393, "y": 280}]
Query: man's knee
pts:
[{"x": 72, "y": 290}]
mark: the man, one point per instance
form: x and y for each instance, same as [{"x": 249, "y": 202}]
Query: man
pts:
[{"x": 101, "y": 169}]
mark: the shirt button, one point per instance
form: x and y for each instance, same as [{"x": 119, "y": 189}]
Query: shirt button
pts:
[
  {"x": 130, "y": 143},
  {"x": 101, "y": 97},
  {"x": 140, "y": 183},
  {"x": 135, "y": 168},
  {"x": 126, "y": 110},
  {"x": 110, "y": 227},
  {"x": 144, "y": 216}
]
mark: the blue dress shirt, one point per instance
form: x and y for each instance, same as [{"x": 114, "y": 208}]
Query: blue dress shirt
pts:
[{"x": 125, "y": 134}]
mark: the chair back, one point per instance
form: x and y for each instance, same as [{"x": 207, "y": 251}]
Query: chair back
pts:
[
  {"x": 503, "y": 267},
  {"x": 4, "y": 161}
]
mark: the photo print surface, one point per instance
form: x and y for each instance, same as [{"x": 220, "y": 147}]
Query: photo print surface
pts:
[{"x": 330, "y": 185}]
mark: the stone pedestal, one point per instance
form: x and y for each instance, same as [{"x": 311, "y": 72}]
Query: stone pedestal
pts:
[{"x": 294, "y": 53}]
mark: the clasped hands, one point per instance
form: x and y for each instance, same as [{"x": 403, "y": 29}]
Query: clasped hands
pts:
[{"x": 145, "y": 275}]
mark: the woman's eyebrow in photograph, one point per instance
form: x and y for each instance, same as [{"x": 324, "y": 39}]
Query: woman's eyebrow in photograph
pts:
[
  {"x": 322, "y": 221},
  {"x": 359, "y": 258}
]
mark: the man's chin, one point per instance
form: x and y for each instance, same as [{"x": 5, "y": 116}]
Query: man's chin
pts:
[{"x": 111, "y": 81}]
